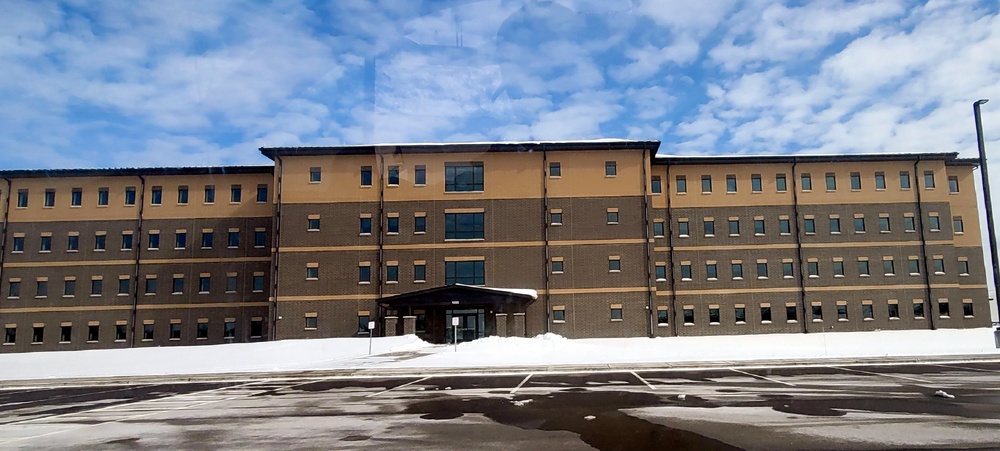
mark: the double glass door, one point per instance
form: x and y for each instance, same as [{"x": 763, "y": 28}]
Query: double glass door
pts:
[{"x": 471, "y": 325}]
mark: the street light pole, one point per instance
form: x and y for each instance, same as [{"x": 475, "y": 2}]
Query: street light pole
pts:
[{"x": 990, "y": 229}]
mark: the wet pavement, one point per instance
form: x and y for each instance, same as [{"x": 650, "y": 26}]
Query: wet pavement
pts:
[{"x": 822, "y": 407}]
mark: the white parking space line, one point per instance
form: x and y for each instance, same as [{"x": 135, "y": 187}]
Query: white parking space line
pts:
[
  {"x": 968, "y": 368},
  {"x": 881, "y": 374},
  {"x": 651, "y": 387},
  {"x": 762, "y": 377},
  {"x": 398, "y": 386},
  {"x": 515, "y": 389}
]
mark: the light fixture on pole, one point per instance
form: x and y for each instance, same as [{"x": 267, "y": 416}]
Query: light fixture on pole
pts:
[{"x": 990, "y": 228}]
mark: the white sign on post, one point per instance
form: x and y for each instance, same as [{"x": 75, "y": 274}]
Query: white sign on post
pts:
[
  {"x": 454, "y": 326},
  {"x": 371, "y": 335}
]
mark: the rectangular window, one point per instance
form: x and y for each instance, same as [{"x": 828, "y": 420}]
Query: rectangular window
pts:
[
  {"x": 124, "y": 286},
  {"x": 656, "y": 185},
  {"x": 76, "y": 197},
  {"x": 761, "y": 270},
  {"x": 909, "y": 224},
  {"x": 935, "y": 223},
  {"x": 834, "y": 225},
  {"x": 556, "y": 217},
  {"x": 178, "y": 285},
  {"x": 393, "y": 175},
  {"x": 14, "y": 289},
  {"x": 784, "y": 226},
  {"x": 709, "y": 227},
  {"x": 737, "y": 271},
  {"x": 616, "y": 312},
  {"x": 838, "y": 268},
  {"x": 555, "y": 169},
  {"x": 235, "y": 194},
  {"x": 229, "y": 328},
  {"x": 37, "y": 334},
  {"x": 756, "y": 185},
  {"x": 682, "y": 228},
  {"x": 312, "y": 320},
  {"x": 258, "y": 282},
  {"x": 182, "y": 195},
  {"x": 419, "y": 224},
  {"x": 73, "y": 243},
  {"x": 204, "y": 284},
  {"x": 559, "y": 314},
  {"x": 22, "y": 198},
  {"x": 879, "y": 180},
  {"x": 918, "y": 309},
  {"x": 259, "y": 238},
  {"x": 180, "y": 240},
  {"x": 741, "y": 315},
  {"x": 312, "y": 224},
  {"x": 809, "y": 225},
  {"x": 150, "y": 285},
  {"x": 713, "y": 315},
  {"x": 315, "y": 174},
  {"x": 781, "y": 182},
  {"x": 364, "y": 273},
  {"x": 765, "y": 313},
  {"x": 813, "y": 269},
  {"x": 952, "y": 184},
  {"x": 206, "y": 239},
  {"x": 419, "y": 272},
  {"x": 175, "y": 331},
  {"x": 202, "y": 331},
  {"x": 130, "y": 195},
  {"x": 209, "y": 194},
  {"x": 831, "y": 181},
  {"x": 712, "y": 271},
  {"x": 463, "y": 177},
  {"x": 662, "y": 318},
  {"x": 967, "y": 308},
  {"x": 366, "y": 226},
  {"x": 366, "y": 176},
  {"x": 734, "y": 227},
  {"x": 842, "y": 312},
  {"x": 232, "y": 283},
  {"x": 10, "y": 335},
  {"x": 929, "y": 180},
  {"x": 261, "y": 194},
  {"x": 614, "y": 264},
  {"x": 420, "y": 175},
  {"x": 50, "y": 198},
  {"x": 612, "y": 217},
  {"x": 863, "y": 268},
  {"x": 102, "y": 197},
  {"x": 392, "y": 225},
  {"x": 963, "y": 267},
  {"x": 156, "y": 195},
  {"x": 126, "y": 241},
  {"x": 147, "y": 331},
  {"x": 817, "y": 312},
  {"x": 787, "y": 270},
  {"x": 889, "y": 267},
  {"x": 65, "y": 334},
  {"x": 69, "y": 288},
  {"x": 610, "y": 169},
  {"x": 682, "y": 184},
  {"x": 758, "y": 227},
  {"x": 685, "y": 271},
  {"x": 791, "y": 315},
  {"x": 154, "y": 240},
  {"x": 867, "y": 311},
  {"x": 957, "y": 224},
  {"x": 904, "y": 179},
  {"x": 312, "y": 273},
  {"x": 730, "y": 183},
  {"x": 914, "y": 266},
  {"x": 464, "y": 226},
  {"x": 363, "y": 320},
  {"x": 859, "y": 224},
  {"x": 233, "y": 239},
  {"x": 121, "y": 332},
  {"x": 96, "y": 287},
  {"x": 465, "y": 272},
  {"x": 658, "y": 229},
  {"x": 661, "y": 272},
  {"x": 392, "y": 273},
  {"x": 706, "y": 183},
  {"x": 807, "y": 182},
  {"x": 45, "y": 244},
  {"x": 688, "y": 315},
  {"x": 558, "y": 266},
  {"x": 856, "y": 181},
  {"x": 938, "y": 265}
]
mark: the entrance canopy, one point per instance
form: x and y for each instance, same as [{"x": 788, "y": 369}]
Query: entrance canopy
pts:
[{"x": 459, "y": 296}]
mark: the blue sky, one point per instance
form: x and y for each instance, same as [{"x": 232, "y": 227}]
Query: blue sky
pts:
[{"x": 99, "y": 84}]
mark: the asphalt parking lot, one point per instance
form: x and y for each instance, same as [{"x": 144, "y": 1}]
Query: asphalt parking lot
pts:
[{"x": 821, "y": 407}]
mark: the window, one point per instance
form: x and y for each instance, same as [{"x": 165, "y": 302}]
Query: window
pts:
[
  {"x": 231, "y": 283},
  {"x": 366, "y": 176},
  {"x": 612, "y": 216},
  {"x": 96, "y": 287},
  {"x": 755, "y": 183},
  {"x": 14, "y": 289},
  {"x": 909, "y": 224},
  {"x": 102, "y": 197},
  {"x": 209, "y": 194},
  {"x": 831, "y": 181},
  {"x": 559, "y": 314},
  {"x": 65, "y": 334},
  {"x": 682, "y": 184},
  {"x": 685, "y": 271},
  {"x": 175, "y": 331},
  {"x": 709, "y": 227},
  {"x": 938, "y": 265},
  {"x": 812, "y": 269},
  {"x": 312, "y": 272},
  {"x": 392, "y": 225},
  {"x": 261, "y": 194},
  {"x": 392, "y": 273},
  {"x": 124, "y": 286},
  {"x": 867, "y": 311},
  {"x": 883, "y": 224},
  {"x": 419, "y": 224},
  {"x": 784, "y": 226},
  {"x": 463, "y": 177},
  {"x": 758, "y": 227},
  {"x": 233, "y": 238},
  {"x": 935, "y": 223},
  {"x": 366, "y": 226},
  {"x": 928, "y": 179},
  {"x": 737, "y": 271},
  {"x": 958, "y": 225},
  {"x": 765, "y": 313},
  {"x": 838, "y": 268},
  {"x": 781, "y": 183},
  {"x": 856, "y": 181},
  {"x": 130, "y": 195},
  {"x": 688, "y": 315},
  {"x": 206, "y": 239},
  {"x": 730, "y": 183},
  {"x": 712, "y": 271},
  {"x": 363, "y": 320},
  {"x": 713, "y": 315},
  {"x": 558, "y": 266},
  {"x": 45, "y": 245},
  {"x": 312, "y": 320},
  {"x": 556, "y": 217},
  {"x": 913, "y": 266},
  {"x": 963, "y": 267},
  {"x": 10, "y": 335},
  {"x": 807, "y": 182},
  {"x": 126, "y": 241},
  {"x": 73, "y": 243},
  {"x": 37, "y": 334},
  {"x": 761, "y": 270},
  {"x": 952, "y": 184},
  {"x": 809, "y": 225},
  {"x": 182, "y": 195},
  {"x": 791, "y": 315},
  {"x": 201, "y": 333},
  {"x": 22, "y": 198},
  {"x": 156, "y": 195},
  {"x": 229, "y": 328},
  {"x": 364, "y": 273},
  {"x": 879, "y": 180},
  {"x": 656, "y": 185},
  {"x": 258, "y": 282},
  {"x": 419, "y": 272},
  {"x": 787, "y": 270},
  {"x": 465, "y": 272},
  {"x": 842, "y": 312},
  {"x": 50, "y": 198},
  {"x": 256, "y": 327},
  {"x": 817, "y": 312},
  {"x": 863, "y": 268},
  {"x": 610, "y": 169},
  {"x": 154, "y": 240},
  {"x": 259, "y": 238},
  {"x": 859, "y": 224},
  {"x": 682, "y": 228},
  {"x": 835, "y": 225},
  {"x": 658, "y": 229},
  {"x": 661, "y": 316},
  {"x": 76, "y": 197},
  {"x": 69, "y": 288},
  {"x": 315, "y": 174},
  {"x": 616, "y": 312},
  {"x": 740, "y": 314},
  {"x": 464, "y": 226},
  {"x": 41, "y": 288},
  {"x": 420, "y": 175},
  {"x": 918, "y": 309},
  {"x": 178, "y": 285},
  {"x": 180, "y": 240},
  {"x": 706, "y": 183},
  {"x": 393, "y": 175},
  {"x": 235, "y": 194},
  {"x": 204, "y": 284},
  {"x": 904, "y": 180},
  {"x": 888, "y": 267},
  {"x": 121, "y": 332},
  {"x": 734, "y": 227},
  {"x": 661, "y": 272},
  {"x": 614, "y": 264},
  {"x": 150, "y": 285},
  {"x": 147, "y": 331},
  {"x": 967, "y": 308}
]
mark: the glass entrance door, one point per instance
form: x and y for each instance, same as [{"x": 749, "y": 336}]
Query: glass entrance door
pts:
[{"x": 471, "y": 325}]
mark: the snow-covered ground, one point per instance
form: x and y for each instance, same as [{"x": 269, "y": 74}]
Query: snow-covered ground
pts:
[{"x": 348, "y": 353}]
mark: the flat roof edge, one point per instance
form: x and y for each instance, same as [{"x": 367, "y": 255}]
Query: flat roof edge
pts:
[
  {"x": 728, "y": 159},
  {"x": 525, "y": 146},
  {"x": 110, "y": 172}
]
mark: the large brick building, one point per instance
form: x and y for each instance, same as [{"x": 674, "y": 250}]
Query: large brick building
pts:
[{"x": 586, "y": 238}]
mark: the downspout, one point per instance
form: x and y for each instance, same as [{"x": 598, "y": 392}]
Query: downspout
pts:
[
  {"x": 276, "y": 248},
  {"x": 798, "y": 245},
  {"x": 137, "y": 243},
  {"x": 545, "y": 237},
  {"x": 381, "y": 234},
  {"x": 645, "y": 241},
  {"x": 670, "y": 257},
  {"x": 3, "y": 231},
  {"x": 923, "y": 248}
]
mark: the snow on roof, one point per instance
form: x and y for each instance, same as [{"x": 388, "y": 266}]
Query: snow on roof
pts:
[{"x": 521, "y": 291}]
